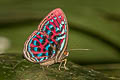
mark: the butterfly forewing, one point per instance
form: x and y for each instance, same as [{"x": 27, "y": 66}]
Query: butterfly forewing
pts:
[{"x": 51, "y": 36}]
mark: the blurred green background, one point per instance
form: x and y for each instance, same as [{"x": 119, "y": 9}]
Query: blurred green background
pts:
[{"x": 93, "y": 25}]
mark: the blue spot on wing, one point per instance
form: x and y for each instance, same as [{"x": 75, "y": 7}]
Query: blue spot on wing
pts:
[
  {"x": 34, "y": 36},
  {"x": 47, "y": 46},
  {"x": 35, "y": 42},
  {"x": 35, "y": 49},
  {"x": 51, "y": 41},
  {"x": 36, "y": 59},
  {"x": 51, "y": 20},
  {"x": 47, "y": 54},
  {"x": 65, "y": 21},
  {"x": 57, "y": 29},
  {"x": 42, "y": 36},
  {"x": 38, "y": 33},
  {"x": 40, "y": 40},
  {"x": 55, "y": 18},
  {"x": 57, "y": 39},
  {"x": 30, "y": 51},
  {"x": 47, "y": 23},
  {"x": 44, "y": 28},
  {"x": 59, "y": 17},
  {"x": 50, "y": 26},
  {"x": 48, "y": 32},
  {"x": 46, "y": 57},
  {"x": 39, "y": 54},
  {"x": 42, "y": 59},
  {"x": 62, "y": 45},
  {"x": 62, "y": 22},
  {"x": 60, "y": 26},
  {"x": 53, "y": 51},
  {"x": 65, "y": 25}
]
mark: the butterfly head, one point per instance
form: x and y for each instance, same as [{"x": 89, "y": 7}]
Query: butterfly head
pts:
[
  {"x": 66, "y": 53},
  {"x": 62, "y": 56}
]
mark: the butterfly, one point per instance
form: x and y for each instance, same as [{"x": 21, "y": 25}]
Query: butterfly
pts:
[{"x": 48, "y": 44}]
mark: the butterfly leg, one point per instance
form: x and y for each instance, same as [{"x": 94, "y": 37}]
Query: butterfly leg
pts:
[
  {"x": 47, "y": 66},
  {"x": 42, "y": 68},
  {"x": 65, "y": 61},
  {"x": 64, "y": 65},
  {"x": 60, "y": 65}
]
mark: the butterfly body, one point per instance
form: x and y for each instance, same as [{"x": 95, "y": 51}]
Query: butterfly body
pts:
[{"x": 48, "y": 43}]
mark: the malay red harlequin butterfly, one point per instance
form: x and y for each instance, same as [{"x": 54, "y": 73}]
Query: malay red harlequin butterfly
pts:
[{"x": 48, "y": 44}]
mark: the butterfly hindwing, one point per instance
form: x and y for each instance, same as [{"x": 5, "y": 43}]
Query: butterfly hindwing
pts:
[
  {"x": 39, "y": 47},
  {"x": 52, "y": 35}
]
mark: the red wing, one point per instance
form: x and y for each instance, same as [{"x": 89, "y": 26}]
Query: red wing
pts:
[{"x": 52, "y": 35}]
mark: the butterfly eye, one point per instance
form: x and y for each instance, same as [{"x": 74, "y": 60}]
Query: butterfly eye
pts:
[{"x": 66, "y": 53}]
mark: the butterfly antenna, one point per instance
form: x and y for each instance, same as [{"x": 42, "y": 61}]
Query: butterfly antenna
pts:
[{"x": 80, "y": 49}]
